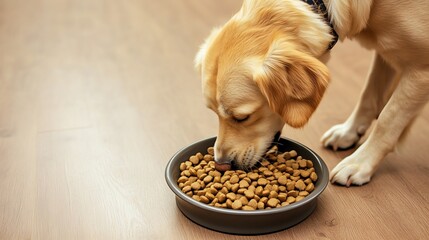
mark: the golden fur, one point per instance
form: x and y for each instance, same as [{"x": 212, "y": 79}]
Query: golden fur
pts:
[{"x": 265, "y": 67}]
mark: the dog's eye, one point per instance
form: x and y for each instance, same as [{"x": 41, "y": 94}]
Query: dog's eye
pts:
[{"x": 241, "y": 119}]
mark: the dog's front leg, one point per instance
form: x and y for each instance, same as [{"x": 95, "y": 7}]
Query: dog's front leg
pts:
[
  {"x": 406, "y": 101},
  {"x": 378, "y": 89}
]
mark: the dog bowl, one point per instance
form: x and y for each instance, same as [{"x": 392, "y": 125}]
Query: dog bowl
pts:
[{"x": 239, "y": 221}]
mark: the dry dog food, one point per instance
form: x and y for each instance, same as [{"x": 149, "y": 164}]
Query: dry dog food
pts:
[{"x": 279, "y": 180}]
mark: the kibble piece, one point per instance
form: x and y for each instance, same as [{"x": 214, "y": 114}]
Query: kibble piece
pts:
[
  {"x": 282, "y": 197},
  {"x": 241, "y": 190},
  {"x": 231, "y": 196},
  {"x": 290, "y": 199},
  {"x": 272, "y": 202},
  {"x": 307, "y": 181},
  {"x": 243, "y": 184},
  {"x": 247, "y": 208},
  {"x": 294, "y": 178},
  {"x": 295, "y": 166},
  {"x": 228, "y": 203},
  {"x": 302, "y": 163},
  {"x": 261, "y": 205},
  {"x": 221, "y": 197},
  {"x": 278, "y": 174},
  {"x": 208, "y": 179},
  {"x": 204, "y": 199},
  {"x": 194, "y": 160},
  {"x": 282, "y": 167},
  {"x": 216, "y": 179},
  {"x": 209, "y": 196},
  {"x": 196, "y": 185},
  {"x": 199, "y": 155},
  {"x": 182, "y": 179},
  {"x": 285, "y": 204},
  {"x": 237, "y": 204},
  {"x": 224, "y": 190},
  {"x": 196, "y": 197},
  {"x": 186, "y": 189},
  {"x": 244, "y": 200},
  {"x": 282, "y": 180},
  {"x": 206, "y": 158},
  {"x": 192, "y": 179},
  {"x": 275, "y": 187},
  {"x": 253, "y": 175},
  {"x": 224, "y": 178},
  {"x": 202, "y": 176},
  {"x": 313, "y": 176},
  {"x": 305, "y": 173},
  {"x": 265, "y": 192},
  {"x": 310, "y": 187},
  {"x": 299, "y": 198},
  {"x": 273, "y": 194},
  {"x": 293, "y": 193},
  {"x": 265, "y": 163},
  {"x": 267, "y": 173},
  {"x": 200, "y": 192},
  {"x": 296, "y": 173},
  {"x": 210, "y": 150},
  {"x": 186, "y": 173},
  {"x": 228, "y": 185},
  {"x": 215, "y": 173},
  {"x": 258, "y": 190},
  {"x": 182, "y": 166},
  {"x": 234, "y": 179},
  {"x": 286, "y": 156},
  {"x": 253, "y": 203},
  {"x": 300, "y": 185},
  {"x": 290, "y": 185},
  {"x": 303, "y": 193},
  {"x": 262, "y": 181},
  {"x": 200, "y": 172},
  {"x": 235, "y": 187},
  {"x": 249, "y": 194}
]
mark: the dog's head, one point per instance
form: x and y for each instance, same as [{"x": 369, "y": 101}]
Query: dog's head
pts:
[{"x": 257, "y": 75}]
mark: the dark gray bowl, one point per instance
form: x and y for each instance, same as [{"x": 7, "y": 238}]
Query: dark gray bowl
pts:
[{"x": 239, "y": 221}]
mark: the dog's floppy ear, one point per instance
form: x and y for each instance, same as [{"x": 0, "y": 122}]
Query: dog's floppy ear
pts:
[{"x": 293, "y": 82}]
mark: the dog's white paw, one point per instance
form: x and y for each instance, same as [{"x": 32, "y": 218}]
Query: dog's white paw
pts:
[
  {"x": 352, "y": 171},
  {"x": 342, "y": 136}
]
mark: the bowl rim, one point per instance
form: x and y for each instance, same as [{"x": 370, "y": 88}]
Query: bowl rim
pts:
[{"x": 312, "y": 196}]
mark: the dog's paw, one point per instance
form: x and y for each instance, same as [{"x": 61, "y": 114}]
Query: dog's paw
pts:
[
  {"x": 342, "y": 136},
  {"x": 352, "y": 171}
]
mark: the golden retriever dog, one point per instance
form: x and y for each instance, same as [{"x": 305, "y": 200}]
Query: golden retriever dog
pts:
[{"x": 266, "y": 67}]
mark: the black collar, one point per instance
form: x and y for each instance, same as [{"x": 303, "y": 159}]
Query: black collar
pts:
[{"x": 320, "y": 8}]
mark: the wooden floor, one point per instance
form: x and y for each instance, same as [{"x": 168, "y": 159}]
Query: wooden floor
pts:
[{"x": 97, "y": 95}]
